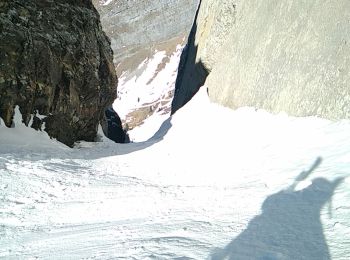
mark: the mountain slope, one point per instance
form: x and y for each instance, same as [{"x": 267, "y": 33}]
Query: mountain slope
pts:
[
  {"x": 137, "y": 28},
  {"x": 250, "y": 185}
]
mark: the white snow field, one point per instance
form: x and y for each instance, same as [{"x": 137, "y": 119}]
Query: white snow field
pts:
[{"x": 212, "y": 183}]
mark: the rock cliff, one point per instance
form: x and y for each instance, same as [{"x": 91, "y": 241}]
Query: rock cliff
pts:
[
  {"x": 275, "y": 55},
  {"x": 141, "y": 32},
  {"x": 138, "y": 28},
  {"x": 55, "y": 61}
]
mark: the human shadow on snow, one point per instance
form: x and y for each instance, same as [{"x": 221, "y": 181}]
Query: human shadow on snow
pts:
[{"x": 289, "y": 226}]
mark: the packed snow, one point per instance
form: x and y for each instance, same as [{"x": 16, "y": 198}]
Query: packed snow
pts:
[{"x": 211, "y": 183}]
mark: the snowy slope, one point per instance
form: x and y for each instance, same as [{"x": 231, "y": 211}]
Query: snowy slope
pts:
[
  {"x": 149, "y": 84},
  {"x": 211, "y": 184},
  {"x": 148, "y": 91}
]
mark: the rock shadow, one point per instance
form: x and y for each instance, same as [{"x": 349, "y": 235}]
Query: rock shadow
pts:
[
  {"x": 289, "y": 226},
  {"x": 162, "y": 131},
  {"x": 191, "y": 73},
  {"x": 113, "y": 149},
  {"x": 156, "y": 138}
]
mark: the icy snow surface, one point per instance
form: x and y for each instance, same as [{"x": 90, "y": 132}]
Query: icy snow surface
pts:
[{"x": 212, "y": 183}]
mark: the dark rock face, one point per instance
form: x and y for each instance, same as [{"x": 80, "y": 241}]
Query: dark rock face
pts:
[
  {"x": 113, "y": 128},
  {"x": 191, "y": 74},
  {"x": 55, "y": 60}
]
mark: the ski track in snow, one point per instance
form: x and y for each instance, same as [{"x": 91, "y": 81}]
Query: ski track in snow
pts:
[{"x": 227, "y": 189}]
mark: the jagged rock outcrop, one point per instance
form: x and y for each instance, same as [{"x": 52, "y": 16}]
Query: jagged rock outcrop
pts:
[
  {"x": 138, "y": 28},
  {"x": 55, "y": 60},
  {"x": 275, "y": 55}
]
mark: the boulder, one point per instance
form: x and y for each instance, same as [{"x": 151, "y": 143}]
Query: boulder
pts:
[{"x": 56, "y": 61}]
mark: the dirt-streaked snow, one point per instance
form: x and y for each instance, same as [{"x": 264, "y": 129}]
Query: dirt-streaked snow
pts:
[
  {"x": 151, "y": 83},
  {"x": 211, "y": 184}
]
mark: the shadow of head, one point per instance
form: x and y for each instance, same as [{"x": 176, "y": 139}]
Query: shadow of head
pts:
[{"x": 322, "y": 184}]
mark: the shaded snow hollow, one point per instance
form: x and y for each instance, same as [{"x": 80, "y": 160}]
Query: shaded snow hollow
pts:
[{"x": 211, "y": 184}]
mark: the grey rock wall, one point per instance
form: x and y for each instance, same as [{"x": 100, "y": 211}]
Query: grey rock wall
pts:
[
  {"x": 136, "y": 28},
  {"x": 55, "y": 60},
  {"x": 291, "y": 56}
]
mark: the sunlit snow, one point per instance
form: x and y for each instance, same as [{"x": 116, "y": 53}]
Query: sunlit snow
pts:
[
  {"x": 212, "y": 183},
  {"x": 105, "y": 2}
]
